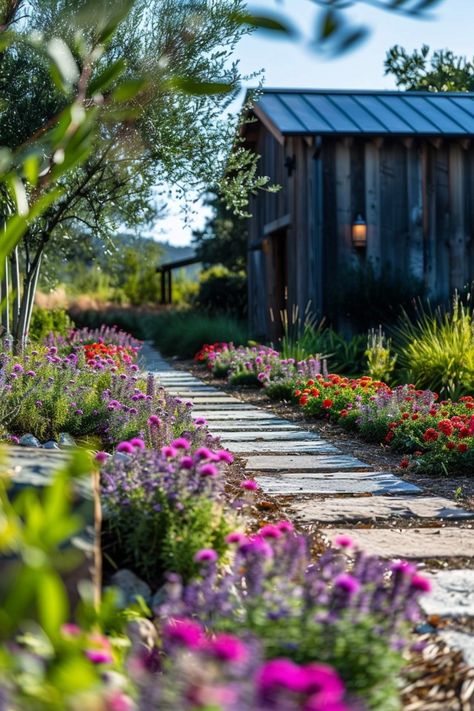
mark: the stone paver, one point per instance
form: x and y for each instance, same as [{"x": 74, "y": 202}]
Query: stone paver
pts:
[
  {"x": 299, "y": 447},
  {"x": 371, "y": 508},
  {"x": 275, "y": 435},
  {"x": 353, "y": 483},
  {"x": 227, "y": 406},
  {"x": 452, "y": 592},
  {"x": 304, "y": 463},
  {"x": 411, "y": 543},
  {"x": 233, "y": 414},
  {"x": 248, "y": 427},
  {"x": 462, "y": 641},
  {"x": 211, "y": 400}
]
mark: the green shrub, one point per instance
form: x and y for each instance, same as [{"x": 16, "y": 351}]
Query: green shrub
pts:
[
  {"x": 380, "y": 362},
  {"x": 436, "y": 349},
  {"x": 245, "y": 378},
  {"x": 280, "y": 390},
  {"x": 46, "y": 321},
  {"x": 223, "y": 291}
]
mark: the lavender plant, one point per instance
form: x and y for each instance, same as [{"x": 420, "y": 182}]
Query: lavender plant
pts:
[
  {"x": 349, "y": 609},
  {"x": 162, "y": 506}
]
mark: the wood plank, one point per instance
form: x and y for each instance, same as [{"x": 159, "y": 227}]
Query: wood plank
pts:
[{"x": 457, "y": 236}]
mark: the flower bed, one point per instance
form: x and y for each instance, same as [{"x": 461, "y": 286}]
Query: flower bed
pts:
[
  {"x": 437, "y": 436},
  {"x": 241, "y": 622}
]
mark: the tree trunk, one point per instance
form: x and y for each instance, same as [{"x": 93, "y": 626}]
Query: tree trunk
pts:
[{"x": 15, "y": 279}]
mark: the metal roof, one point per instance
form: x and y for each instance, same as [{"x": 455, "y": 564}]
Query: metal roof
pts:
[{"x": 307, "y": 111}]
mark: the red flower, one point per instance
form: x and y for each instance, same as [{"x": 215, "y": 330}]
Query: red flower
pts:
[
  {"x": 405, "y": 463},
  {"x": 430, "y": 435},
  {"x": 450, "y": 445},
  {"x": 446, "y": 427},
  {"x": 389, "y": 436},
  {"x": 415, "y": 416},
  {"x": 405, "y": 416},
  {"x": 303, "y": 400},
  {"x": 315, "y": 392},
  {"x": 327, "y": 404},
  {"x": 462, "y": 447}
]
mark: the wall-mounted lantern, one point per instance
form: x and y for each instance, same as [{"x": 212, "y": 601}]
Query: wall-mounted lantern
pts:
[{"x": 359, "y": 232}]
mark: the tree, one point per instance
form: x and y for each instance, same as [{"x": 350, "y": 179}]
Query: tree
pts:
[
  {"x": 179, "y": 133},
  {"x": 223, "y": 240},
  {"x": 440, "y": 70}
]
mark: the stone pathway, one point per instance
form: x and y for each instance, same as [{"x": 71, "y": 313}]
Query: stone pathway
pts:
[{"x": 326, "y": 487}]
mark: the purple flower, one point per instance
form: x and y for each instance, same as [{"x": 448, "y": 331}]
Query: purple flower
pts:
[
  {"x": 101, "y": 457},
  {"x": 17, "y": 368},
  {"x": 200, "y": 421},
  {"x": 224, "y": 456},
  {"x": 154, "y": 421},
  {"x": 169, "y": 452},
  {"x": 347, "y": 583},
  {"x": 185, "y": 632},
  {"x": 270, "y": 531},
  {"x": 203, "y": 453},
  {"x": 31, "y": 373},
  {"x": 187, "y": 463},
  {"x": 206, "y": 555}
]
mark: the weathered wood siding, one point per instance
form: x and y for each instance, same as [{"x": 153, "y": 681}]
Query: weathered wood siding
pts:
[{"x": 416, "y": 195}]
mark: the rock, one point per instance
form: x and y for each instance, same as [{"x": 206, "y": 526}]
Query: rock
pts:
[
  {"x": 414, "y": 543},
  {"x": 130, "y": 586},
  {"x": 122, "y": 457},
  {"x": 453, "y": 591},
  {"x": 51, "y": 445},
  {"x": 345, "y": 482},
  {"x": 462, "y": 641},
  {"x": 304, "y": 463},
  {"x": 29, "y": 440},
  {"x": 65, "y": 440},
  {"x": 299, "y": 447},
  {"x": 142, "y": 634}
]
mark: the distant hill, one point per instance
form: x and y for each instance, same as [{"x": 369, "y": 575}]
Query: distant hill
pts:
[{"x": 171, "y": 253}]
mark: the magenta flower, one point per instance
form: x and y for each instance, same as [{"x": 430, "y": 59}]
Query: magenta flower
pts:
[
  {"x": 403, "y": 566},
  {"x": 187, "y": 463},
  {"x": 286, "y": 526},
  {"x": 99, "y": 656},
  {"x": 31, "y": 373},
  {"x": 181, "y": 443},
  {"x": 224, "y": 456},
  {"x": 14, "y": 439},
  {"x": 281, "y": 674},
  {"x": 249, "y": 485},
  {"x": 347, "y": 583},
  {"x": 235, "y": 537},
  {"x": 228, "y": 648},
  {"x": 209, "y": 470},
  {"x": 126, "y": 447},
  {"x": 344, "y": 541},
  {"x": 206, "y": 555},
  {"x": 138, "y": 443},
  {"x": 270, "y": 531},
  {"x": 200, "y": 421},
  {"x": 420, "y": 584},
  {"x": 169, "y": 452},
  {"x": 154, "y": 421},
  {"x": 185, "y": 632},
  {"x": 203, "y": 453},
  {"x": 17, "y": 368},
  {"x": 101, "y": 457}
]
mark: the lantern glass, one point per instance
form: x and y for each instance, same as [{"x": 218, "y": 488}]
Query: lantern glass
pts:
[{"x": 359, "y": 232}]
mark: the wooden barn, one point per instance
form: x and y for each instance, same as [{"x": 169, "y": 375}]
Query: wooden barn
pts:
[{"x": 365, "y": 176}]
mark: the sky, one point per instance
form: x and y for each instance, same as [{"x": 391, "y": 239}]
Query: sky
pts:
[{"x": 292, "y": 63}]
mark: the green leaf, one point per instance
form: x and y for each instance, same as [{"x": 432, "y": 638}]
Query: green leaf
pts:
[
  {"x": 53, "y": 606},
  {"x": 64, "y": 68},
  {"x": 199, "y": 88},
  {"x": 107, "y": 77},
  {"x": 264, "y": 22},
  {"x": 128, "y": 89},
  {"x": 31, "y": 166}
]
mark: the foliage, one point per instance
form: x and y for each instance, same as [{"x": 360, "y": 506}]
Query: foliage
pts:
[
  {"x": 347, "y": 610},
  {"x": 164, "y": 505},
  {"x": 46, "y": 321},
  {"x": 418, "y": 71},
  {"x": 45, "y": 392},
  {"x": 436, "y": 349},
  {"x": 222, "y": 291},
  {"x": 367, "y": 298},
  {"x": 223, "y": 240},
  {"x": 380, "y": 362},
  {"x": 182, "y": 333}
]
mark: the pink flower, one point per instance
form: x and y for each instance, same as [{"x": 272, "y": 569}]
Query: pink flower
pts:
[
  {"x": 420, "y": 584},
  {"x": 347, "y": 583},
  {"x": 235, "y": 537},
  {"x": 206, "y": 555},
  {"x": 203, "y": 453},
  {"x": 101, "y": 457},
  {"x": 200, "y": 421},
  {"x": 279, "y": 674},
  {"x": 118, "y": 701},
  {"x": 185, "y": 632},
  {"x": 99, "y": 656},
  {"x": 228, "y": 648},
  {"x": 344, "y": 541},
  {"x": 138, "y": 443},
  {"x": 249, "y": 485},
  {"x": 126, "y": 447},
  {"x": 187, "y": 463},
  {"x": 402, "y": 566},
  {"x": 286, "y": 526},
  {"x": 181, "y": 443},
  {"x": 169, "y": 452},
  {"x": 14, "y": 439},
  {"x": 270, "y": 531},
  {"x": 154, "y": 421},
  {"x": 69, "y": 628},
  {"x": 209, "y": 470},
  {"x": 224, "y": 456}
]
